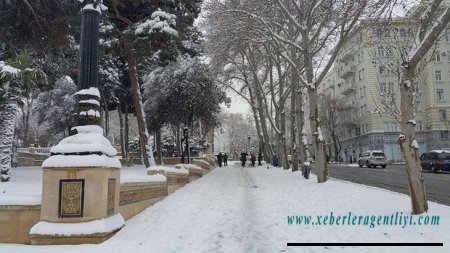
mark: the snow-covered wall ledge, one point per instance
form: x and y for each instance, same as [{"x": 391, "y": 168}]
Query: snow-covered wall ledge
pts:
[
  {"x": 141, "y": 192},
  {"x": 176, "y": 178}
]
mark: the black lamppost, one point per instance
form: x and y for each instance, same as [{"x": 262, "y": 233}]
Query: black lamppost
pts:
[
  {"x": 248, "y": 143},
  {"x": 88, "y": 107}
]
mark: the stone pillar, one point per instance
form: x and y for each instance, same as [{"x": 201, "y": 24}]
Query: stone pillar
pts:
[{"x": 81, "y": 179}]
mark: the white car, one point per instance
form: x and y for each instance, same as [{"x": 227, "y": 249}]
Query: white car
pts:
[{"x": 373, "y": 158}]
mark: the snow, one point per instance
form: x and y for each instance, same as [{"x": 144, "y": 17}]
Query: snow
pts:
[
  {"x": 10, "y": 70},
  {"x": 414, "y": 144},
  {"x": 408, "y": 83},
  {"x": 235, "y": 209},
  {"x": 99, "y": 8},
  {"x": 307, "y": 163},
  {"x": 319, "y": 132},
  {"x": 85, "y": 142},
  {"x": 24, "y": 188},
  {"x": 106, "y": 225},
  {"x": 159, "y": 21},
  {"x": 89, "y": 129},
  {"x": 91, "y": 91},
  {"x": 138, "y": 174},
  {"x": 168, "y": 169},
  {"x": 58, "y": 161},
  {"x": 90, "y": 101},
  {"x": 412, "y": 121}
]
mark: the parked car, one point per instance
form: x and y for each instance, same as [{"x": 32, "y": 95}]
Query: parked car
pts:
[
  {"x": 435, "y": 160},
  {"x": 373, "y": 158}
]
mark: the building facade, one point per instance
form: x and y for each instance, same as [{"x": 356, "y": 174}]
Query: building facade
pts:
[{"x": 366, "y": 75}]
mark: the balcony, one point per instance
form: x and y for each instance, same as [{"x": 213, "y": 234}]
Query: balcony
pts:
[
  {"x": 346, "y": 71},
  {"x": 349, "y": 88}
]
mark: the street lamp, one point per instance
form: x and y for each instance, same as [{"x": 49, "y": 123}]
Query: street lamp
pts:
[{"x": 249, "y": 143}]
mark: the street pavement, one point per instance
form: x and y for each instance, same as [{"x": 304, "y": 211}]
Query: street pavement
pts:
[{"x": 393, "y": 178}]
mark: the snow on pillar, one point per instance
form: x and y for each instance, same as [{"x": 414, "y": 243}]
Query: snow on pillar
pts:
[{"x": 81, "y": 179}]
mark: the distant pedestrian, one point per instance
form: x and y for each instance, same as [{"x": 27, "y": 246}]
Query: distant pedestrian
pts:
[
  {"x": 260, "y": 157},
  {"x": 275, "y": 161},
  {"x": 243, "y": 158},
  {"x": 253, "y": 159},
  {"x": 219, "y": 159},
  {"x": 225, "y": 159}
]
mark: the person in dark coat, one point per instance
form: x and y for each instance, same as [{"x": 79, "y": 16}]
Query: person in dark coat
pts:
[
  {"x": 253, "y": 159},
  {"x": 243, "y": 158},
  {"x": 260, "y": 158},
  {"x": 275, "y": 161},
  {"x": 225, "y": 159},
  {"x": 219, "y": 159}
]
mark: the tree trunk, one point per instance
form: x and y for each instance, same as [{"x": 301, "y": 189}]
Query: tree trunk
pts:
[
  {"x": 128, "y": 156},
  {"x": 159, "y": 146},
  {"x": 122, "y": 140},
  {"x": 7, "y": 128},
  {"x": 409, "y": 146},
  {"x": 301, "y": 133},
  {"x": 319, "y": 147},
  {"x": 137, "y": 102},
  {"x": 294, "y": 122}
]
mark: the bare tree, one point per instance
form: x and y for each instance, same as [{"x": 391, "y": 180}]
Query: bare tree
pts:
[
  {"x": 334, "y": 112},
  {"x": 434, "y": 19}
]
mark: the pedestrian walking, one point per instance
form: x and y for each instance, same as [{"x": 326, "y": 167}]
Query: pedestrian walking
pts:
[
  {"x": 253, "y": 159},
  {"x": 225, "y": 159},
  {"x": 243, "y": 158},
  {"x": 219, "y": 159},
  {"x": 260, "y": 158},
  {"x": 275, "y": 161}
]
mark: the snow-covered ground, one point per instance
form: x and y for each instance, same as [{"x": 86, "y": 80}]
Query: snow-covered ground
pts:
[{"x": 235, "y": 209}]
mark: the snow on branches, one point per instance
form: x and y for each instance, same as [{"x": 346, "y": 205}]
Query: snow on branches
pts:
[{"x": 160, "y": 21}]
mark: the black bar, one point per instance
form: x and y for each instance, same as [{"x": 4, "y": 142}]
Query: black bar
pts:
[
  {"x": 88, "y": 65},
  {"x": 293, "y": 244}
]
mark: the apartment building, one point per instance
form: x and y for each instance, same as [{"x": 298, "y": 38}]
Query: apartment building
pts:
[{"x": 366, "y": 76}]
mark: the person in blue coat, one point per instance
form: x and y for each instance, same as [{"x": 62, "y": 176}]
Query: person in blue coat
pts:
[{"x": 275, "y": 161}]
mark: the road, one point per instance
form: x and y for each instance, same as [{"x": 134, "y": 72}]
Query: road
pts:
[{"x": 393, "y": 178}]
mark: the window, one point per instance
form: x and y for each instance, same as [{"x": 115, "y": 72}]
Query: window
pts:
[
  {"x": 387, "y": 33},
  {"x": 447, "y": 36},
  {"x": 437, "y": 56},
  {"x": 358, "y": 131},
  {"x": 383, "y": 87},
  {"x": 437, "y": 75},
  {"x": 364, "y": 91},
  {"x": 391, "y": 87},
  {"x": 418, "y": 126},
  {"x": 360, "y": 93},
  {"x": 379, "y": 33},
  {"x": 381, "y": 52},
  {"x": 444, "y": 134},
  {"x": 440, "y": 94},
  {"x": 389, "y": 52},
  {"x": 442, "y": 114},
  {"x": 402, "y": 32},
  {"x": 361, "y": 74},
  {"x": 365, "y": 109},
  {"x": 386, "y": 126}
]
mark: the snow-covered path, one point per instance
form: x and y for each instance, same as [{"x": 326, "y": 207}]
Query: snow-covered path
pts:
[{"x": 234, "y": 209}]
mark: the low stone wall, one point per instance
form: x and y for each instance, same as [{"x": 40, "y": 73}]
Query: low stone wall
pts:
[
  {"x": 202, "y": 164},
  {"x": 175, "y": 180},
  {"x": 135, "y": 197},
  {"x": 16, "y": 222}
]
